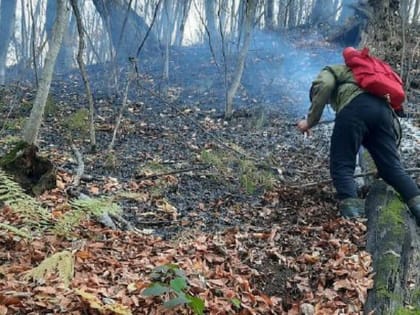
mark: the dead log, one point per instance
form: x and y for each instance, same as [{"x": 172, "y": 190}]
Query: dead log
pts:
[
  {"x": 393, "y": 239},
  {"x": 34, "y": 173}
]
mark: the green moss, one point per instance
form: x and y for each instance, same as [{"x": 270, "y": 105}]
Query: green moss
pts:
[
  {"x": 11, "y": 156},
  {"x": 391, "y": 220},
  {"x": 392, "y": 217},
  {"x": 13, "y": 124},
  {"x": 78, "y": 122},
  {"x": 50, "y": 106},
  {"x": 214, "y": 158},
  {"x": 260, "y": 119},
  {"x": 110, "y": 161},
  {"x": 387, "y": 266},
  {"x": 406, "y": 311}
]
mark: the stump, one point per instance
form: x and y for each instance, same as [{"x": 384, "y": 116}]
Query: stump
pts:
[
  {"x": 34, "y": 173},
  {"x": 393, "y": 239}
]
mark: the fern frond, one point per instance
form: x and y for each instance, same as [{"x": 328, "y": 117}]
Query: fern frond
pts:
[
  {"x": 15, "y": 230},
  {"x": 61, "y": 263},
  {"x": 82, "y": 209},
  {"x": 31, "y": 211},
  {"x": 96, "y": 206}
]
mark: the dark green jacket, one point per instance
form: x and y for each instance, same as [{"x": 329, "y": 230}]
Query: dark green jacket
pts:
[{"x": 325, "y": 90}]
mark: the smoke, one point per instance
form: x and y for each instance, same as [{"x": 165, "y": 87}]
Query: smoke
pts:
[{"x": 280, "y": 69}]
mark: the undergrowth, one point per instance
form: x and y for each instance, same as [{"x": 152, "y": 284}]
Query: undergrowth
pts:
[{"x": 251, "y": 176}]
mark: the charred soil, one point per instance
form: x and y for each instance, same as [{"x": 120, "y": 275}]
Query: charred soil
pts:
[{"x": 180, "y": 170}]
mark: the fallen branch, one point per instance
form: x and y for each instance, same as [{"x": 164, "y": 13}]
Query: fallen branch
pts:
[
  {"x": 393, "y": 240},
  {"x": 84, "y": 177},
  {"x": 185, "y": 170}
]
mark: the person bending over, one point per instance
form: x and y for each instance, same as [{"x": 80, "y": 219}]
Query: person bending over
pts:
[{"x": 361, "y": 119}]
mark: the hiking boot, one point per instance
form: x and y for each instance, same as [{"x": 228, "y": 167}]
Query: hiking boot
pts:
[
  {"x": 414, "y": 206},
  {"x": 352, "y": 208}
]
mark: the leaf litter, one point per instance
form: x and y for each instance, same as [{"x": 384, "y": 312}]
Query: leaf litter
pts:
[{"x": 244, "y": 250}]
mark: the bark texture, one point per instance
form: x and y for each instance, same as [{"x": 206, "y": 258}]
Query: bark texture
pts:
[
  {"x": 126, "y": 28},
  {"x": 394, "y": 243},
  {"x": 33, "y": 125},
  {"x": 7, "y": 20},
  {"x": 251, "y": 6}
]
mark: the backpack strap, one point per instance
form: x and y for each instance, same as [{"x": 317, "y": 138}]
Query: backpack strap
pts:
[{"x": 337, "y": 80}]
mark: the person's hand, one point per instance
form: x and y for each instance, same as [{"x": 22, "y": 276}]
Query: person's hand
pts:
[{"x": 303, "y": 126}]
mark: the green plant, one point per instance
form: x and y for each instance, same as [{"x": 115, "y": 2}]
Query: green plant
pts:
[
  {"x": 50, "y": 106},
  {"x": 36, "y": 219},
  {"x": 170, "y": 281},
  {"x": 405, "y": 311},
  {"x": 61, "y": 263},
  {"x": 82, "y": 209},
  {"x": 251, "y": 176},
  {"x": 33, "y": 214},
  {"x": 260, "y": 119},
  {"x": 78, "y": 122},
  {"x": 13, "y": 124}
]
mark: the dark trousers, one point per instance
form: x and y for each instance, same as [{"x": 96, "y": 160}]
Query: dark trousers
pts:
[{"x": 368, "y": 121}]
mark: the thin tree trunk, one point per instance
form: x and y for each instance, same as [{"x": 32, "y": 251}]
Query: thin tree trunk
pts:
[
  {"x": 24, "y": 32},
  {"x": 185, "y": 12},
  {"x": 269, "y": 14},
  {"x": 251, "y": 6},
  {"x": 404, "y": 19},
  {"x": 81, "y": 31},
  {"x": 120, "y": 38},
  {"x": 7, "y": 23},
  {"x": 34, "y": 61},
  {"x": 131, "y": 75},
  {"x": 31, "y": 130},
  {"x": 139, "y": 49},
  {"x": 211, "y": 17},
  {"x": 416, "y": 12}
]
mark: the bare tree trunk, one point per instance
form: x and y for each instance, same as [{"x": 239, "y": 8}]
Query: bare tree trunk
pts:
[
  {"x": 404, "y": 11},
  {"x": 81, "y": 31},
  {"x": 168, "y": 25},
  {"x": 7, "y": 22},
  {"x": 32, "y": 126},
  {"x": 416, "y": 12},
  {"x": 124, "y": 36},
  {"x": 211, "y": 17},
  {"x": 251, "y": 6},
  {"x": 149, "y": 29},
  {"x": 186, "y": 9},
  {"x": 33, "y": 49},
  {"x": 269, "y": 14},
  {"x": 131, "y": 76},
  {"x": 24, "y": 47}
]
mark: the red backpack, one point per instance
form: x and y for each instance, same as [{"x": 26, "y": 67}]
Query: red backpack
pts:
[{"x": 375, "y": 76}]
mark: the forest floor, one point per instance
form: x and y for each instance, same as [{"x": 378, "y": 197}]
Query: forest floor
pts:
[{"x": 243, "y": 207}]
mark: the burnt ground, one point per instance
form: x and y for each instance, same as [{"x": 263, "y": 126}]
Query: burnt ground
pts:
[{"x": 179, "y": 159}]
